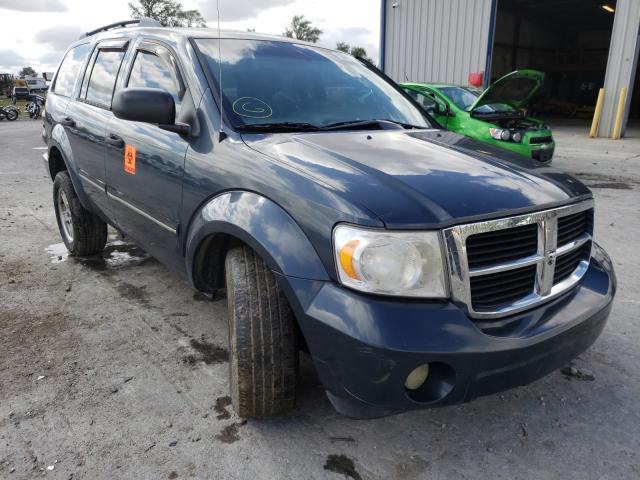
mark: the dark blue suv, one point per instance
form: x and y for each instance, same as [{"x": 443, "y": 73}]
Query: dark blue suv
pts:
[{"x": 417, "y": 267}]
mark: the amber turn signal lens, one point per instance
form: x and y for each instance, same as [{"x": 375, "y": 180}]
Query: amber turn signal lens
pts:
[{"x": 346, "y": 258}]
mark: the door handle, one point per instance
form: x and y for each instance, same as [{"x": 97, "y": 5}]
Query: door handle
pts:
[
  {"x": 115, "y": 140},
  {"x": 68, "y": 122}
]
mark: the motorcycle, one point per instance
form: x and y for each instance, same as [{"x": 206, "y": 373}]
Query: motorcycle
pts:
[
  {"x": 34, "y": 108},
  {"x": 10, "y": 113}
]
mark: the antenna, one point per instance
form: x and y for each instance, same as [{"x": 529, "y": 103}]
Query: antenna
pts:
[
  {"x": 223, "y": 134},
  {"x": 406, "y": 79}
]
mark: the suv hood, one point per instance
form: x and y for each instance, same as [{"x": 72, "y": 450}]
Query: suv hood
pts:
[
  {"x": 514, "y": 89},
  {"x": 421, "y": 178}
]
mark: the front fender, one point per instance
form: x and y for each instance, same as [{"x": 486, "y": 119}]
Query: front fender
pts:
[{"x": 260, "y": 223}]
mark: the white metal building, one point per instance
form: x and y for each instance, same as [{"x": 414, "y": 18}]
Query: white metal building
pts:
[{"x": 581, "y": 45}]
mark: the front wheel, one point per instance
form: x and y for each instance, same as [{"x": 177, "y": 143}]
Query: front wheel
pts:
[
  {"x": 82, "y": 231},
  {"x": 263, "y": 353}
]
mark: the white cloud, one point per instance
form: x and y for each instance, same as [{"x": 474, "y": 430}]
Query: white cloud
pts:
[
  {"x": 41, "y": 36},
  {"x": 10, "y": 60},
  {"x": 233, "y": 10},
  {"x": 34, "y": 5},
  {"x": 59, "y": 37},
  {"x": 356, "y": 22}
]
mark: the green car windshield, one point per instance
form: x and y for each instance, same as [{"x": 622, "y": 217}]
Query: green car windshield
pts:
[
  {"x": 287, "y": 84},
  {"x": 464, "y": 98}
]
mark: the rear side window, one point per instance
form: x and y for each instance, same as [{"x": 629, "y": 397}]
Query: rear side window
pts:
[
  {"x": 152, "y": 71},
  {"x": 68, "y": 71},
  {"x": 103, "y": 77}
]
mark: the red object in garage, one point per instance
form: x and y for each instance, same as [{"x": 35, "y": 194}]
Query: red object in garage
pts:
[{"x": 476, "y": 79}]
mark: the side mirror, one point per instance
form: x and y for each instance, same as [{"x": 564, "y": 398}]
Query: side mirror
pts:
[
  {"x": 432, "y": 108},
  {"x": 148, "y": 105},
  {"x": 443, "y": 109}
]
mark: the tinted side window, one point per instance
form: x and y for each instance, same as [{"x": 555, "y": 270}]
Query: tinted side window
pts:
[
  {"x": 103, "y": 77},
  {"x": 152, "y": 71},
  {"x": 426, "y": 102},
  {"x": 68, "y": 71}
]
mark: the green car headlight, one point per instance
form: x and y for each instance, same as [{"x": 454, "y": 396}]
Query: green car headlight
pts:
[{"x": 500, "y": 134}]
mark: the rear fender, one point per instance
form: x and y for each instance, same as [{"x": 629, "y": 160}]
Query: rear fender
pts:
[{"x": 60, "y": 142}]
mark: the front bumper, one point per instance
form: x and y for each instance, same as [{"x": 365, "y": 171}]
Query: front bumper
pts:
[
  {"x": 542, "y": 155},
  {"x": 542, "y": 152},
  {"x": 364, "y": 346}
]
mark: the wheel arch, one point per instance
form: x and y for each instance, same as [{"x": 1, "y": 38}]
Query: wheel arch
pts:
[
  {"x": 61, "y": 159},
  {"x": 243, "y": 217},
  {"x": 56, "y": 162}
]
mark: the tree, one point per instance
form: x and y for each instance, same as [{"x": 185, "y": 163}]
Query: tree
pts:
[
  {"x": 168, "y": 12},
  {"x": 27, "y": 72},
  {"x": 360, "y": 53},
  {"x": 343, "y": 47},
  {"x": 302, "y": 29},
  {"x": 357, "y": 52}
]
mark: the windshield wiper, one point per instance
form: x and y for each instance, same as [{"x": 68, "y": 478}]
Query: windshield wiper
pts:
[
  {"x": 278, "y": 127},
  {"x": 383, "y": 123}
]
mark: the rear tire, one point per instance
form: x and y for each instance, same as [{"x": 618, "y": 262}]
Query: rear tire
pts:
[
  {"x": 12, "y": 115},
  {"x": 82, "y": 231},
  {"x": 263, "y": 347}
]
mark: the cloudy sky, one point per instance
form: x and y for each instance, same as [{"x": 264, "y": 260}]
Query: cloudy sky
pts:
[{"x": 36, "y": 32}]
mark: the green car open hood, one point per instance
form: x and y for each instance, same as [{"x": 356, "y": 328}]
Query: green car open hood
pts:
[{"x": 514, "y": 89}]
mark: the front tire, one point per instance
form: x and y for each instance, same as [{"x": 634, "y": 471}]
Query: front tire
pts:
[
  {"x": 82, "y": 231},
  {"x": 263, "y": 353}
]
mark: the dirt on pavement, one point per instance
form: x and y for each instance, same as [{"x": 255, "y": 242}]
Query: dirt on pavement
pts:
[{"x": 109, "y": 368}]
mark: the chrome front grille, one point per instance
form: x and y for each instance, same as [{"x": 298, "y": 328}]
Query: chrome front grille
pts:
[{"x": 501, "y": 267}]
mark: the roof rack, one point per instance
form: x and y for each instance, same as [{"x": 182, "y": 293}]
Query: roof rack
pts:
[{"x": 140, "y": 22}]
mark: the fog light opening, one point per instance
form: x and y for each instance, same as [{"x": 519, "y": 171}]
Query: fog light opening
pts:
[
  {"x": 417, "y": 377},
  {"x": 430, "y": 382}
]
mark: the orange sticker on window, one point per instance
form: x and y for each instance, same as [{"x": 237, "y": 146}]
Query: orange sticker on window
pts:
[{"x": 130, "y": 159}]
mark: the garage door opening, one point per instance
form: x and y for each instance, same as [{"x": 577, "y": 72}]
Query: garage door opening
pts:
[{"x": 568, "y": 40}]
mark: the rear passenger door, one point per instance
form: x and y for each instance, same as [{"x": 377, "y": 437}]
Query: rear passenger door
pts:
[
  {"x": 145, "y": 164},
  {"x": 87, "y": 118}
]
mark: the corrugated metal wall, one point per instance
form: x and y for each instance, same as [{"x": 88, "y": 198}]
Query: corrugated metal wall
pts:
[
  {"x": 622, "y": 63},
  {"x": 436, "y": 40}
]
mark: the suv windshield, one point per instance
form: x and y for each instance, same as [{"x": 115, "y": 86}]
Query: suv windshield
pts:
[
  {"x": 464, "y": 97},
  {"x": 269, "y": 82}
]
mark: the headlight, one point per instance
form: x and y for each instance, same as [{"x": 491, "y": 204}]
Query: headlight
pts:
[
  {"x": 516, "y": 137},
  {"x": 500, "y": 134},
  {"x": 408, "y": 264}
]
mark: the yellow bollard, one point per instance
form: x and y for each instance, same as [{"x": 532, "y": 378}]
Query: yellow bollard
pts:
[
  {"x": 617, "y": 127},
  {"x": 596, "y": 114}
]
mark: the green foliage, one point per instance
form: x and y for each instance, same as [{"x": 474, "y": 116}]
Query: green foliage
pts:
[
  {"x": 343, "y": 47},
  {"x": 357, "y": 52},
  {"x": 27, "y": 72},
  {"x": 360, "y": 52},
  {"x": 168, "y": 12},
  {"x": 302, "y": 29}
]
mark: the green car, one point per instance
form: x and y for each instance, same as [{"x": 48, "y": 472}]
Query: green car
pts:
[{"x": 494, "y": 115}]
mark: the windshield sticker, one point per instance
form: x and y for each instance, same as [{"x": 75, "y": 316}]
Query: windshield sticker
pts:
[{"x": 252, "y": 107}]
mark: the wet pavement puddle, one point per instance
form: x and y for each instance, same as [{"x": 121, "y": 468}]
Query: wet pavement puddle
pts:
[{"x": 117, "y": 254}]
